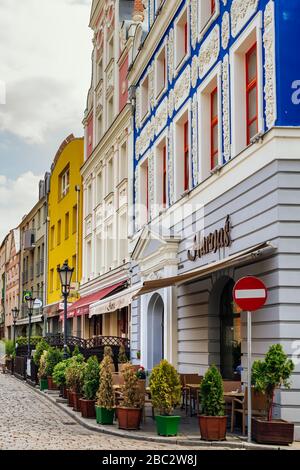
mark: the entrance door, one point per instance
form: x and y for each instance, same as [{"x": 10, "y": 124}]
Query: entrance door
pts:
[
  {"x": 230, "y": 341},
  {"x": 155, "y": 331}
]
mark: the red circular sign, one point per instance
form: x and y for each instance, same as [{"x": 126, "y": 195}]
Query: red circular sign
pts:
[{"x": 250, "y": 293}]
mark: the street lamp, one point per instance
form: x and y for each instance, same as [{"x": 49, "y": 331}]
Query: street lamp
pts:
[
  {"x": 29, "y": 299},
  {"x": 15, "y": 313},
  {"x": 65, "y": 275}
]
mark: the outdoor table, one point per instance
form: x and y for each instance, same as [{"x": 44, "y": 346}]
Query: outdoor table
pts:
[{"x": 195, "y": 387}]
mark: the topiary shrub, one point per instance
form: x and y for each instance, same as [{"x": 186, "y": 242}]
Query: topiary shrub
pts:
[
  {"x": 23, "y": 340},
  {"x": 42, "y": 374},
  {"x": 91, "y": 378},
  {"x": 54, "y": 356},
  {"x": 10, "y": 349},
  {"x": 59, "y": 373},
  {"x": 105, "y": 395},
  {"x": 133, "y": 396},
  {"x": 272, "y": 373},
  {"x": 165, "y": 388},
  {"x": 212, "y": 393},
  {"x": 122, "y": 358},
  {"x": 42, "y": 346},
  {"x": 75, "y": 374}
]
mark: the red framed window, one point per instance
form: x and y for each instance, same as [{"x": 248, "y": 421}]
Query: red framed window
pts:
[
  {"x": 164, "y": 155},
  {"x": 185, "y": 38},
  {"x": 186, "y": 156},
  {"x": 251, "y": 93},
  {"x": 214, "y": 128},
  {"x": 213, "y": 6}
]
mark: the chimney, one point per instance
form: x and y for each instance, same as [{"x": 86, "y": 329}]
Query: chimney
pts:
[{"x": 138, "y": 11}]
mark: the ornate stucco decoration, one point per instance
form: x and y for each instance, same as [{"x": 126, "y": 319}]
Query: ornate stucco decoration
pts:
[
  {"x": 171, "y": 103},
  {"x": 224, "y": 2},
  {"x": 182, "y": 87},
  {"x": 171, "y": 55},
  {"x": 225, "y": 30},
  {"x": 209, "y": 51},
  {"x": 151, "y": 183},
  {"x": 151, "y": 86},
  {"x": 226, "y": 107},
  {"x": 241, "y": 12},
  {"x": 161, "y": 116},
  {"x": 194, "y": 72},
  {"x": 270, "y": 75},
  {"x": 194, "y": 141},
  {"x": 194, "y": 21},
  {"x": 170, "y": 164}
]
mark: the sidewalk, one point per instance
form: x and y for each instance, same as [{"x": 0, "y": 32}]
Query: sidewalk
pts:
[{"x": 188, "y": 436}]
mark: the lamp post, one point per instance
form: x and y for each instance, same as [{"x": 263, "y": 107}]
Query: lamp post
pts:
[
  {"x": 65, "y": 275},
  {"x": 15, "y": 313},
  {"x": 29, "y": 299}
]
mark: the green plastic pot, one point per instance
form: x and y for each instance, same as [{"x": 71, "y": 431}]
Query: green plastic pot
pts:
[
  {"x": 167, "y": 425},
  {"x": 43, "y": 384},
  {"x": 104, "y": 416}
]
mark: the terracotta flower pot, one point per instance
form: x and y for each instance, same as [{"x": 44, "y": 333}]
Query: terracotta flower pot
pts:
[
  {"x": 87, "y": 408},
  {"x": 51, "y": 384},
  {"x": 129, "y": 418},
  {"x": 64, "y": 391},
  {"x": 213, "y": 428},
  {"x": 76, "y": 403},
  {"x": 70, "y": 398}
]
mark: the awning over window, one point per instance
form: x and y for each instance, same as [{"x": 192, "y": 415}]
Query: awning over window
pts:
[
  {"x": 82, "y": 306},
  {"x": 234, "y": 260},
  {"x": 114, "y": 302}
]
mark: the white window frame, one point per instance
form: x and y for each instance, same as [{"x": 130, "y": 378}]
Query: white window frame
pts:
[
  {"x": 204, "y": 94},
  {"x": 65, "y": 182},
  {"x": 159, "y": 90},
  {"x": 203, "y": 25},
  {"x": 158, "y": 171},
  {"x": 180, "y": 61},
  {"x": 143, "y": 217},
  {"x": 145, "y": 107},
  {"x": 238, "y": 87},
  {"x": 178, "y": 153}
]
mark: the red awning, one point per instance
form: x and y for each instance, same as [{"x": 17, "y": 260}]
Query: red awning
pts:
[{"x": 82, "y": 306}]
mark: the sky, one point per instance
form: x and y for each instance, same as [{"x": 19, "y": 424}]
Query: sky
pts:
[{"x": 45, "y": 73}]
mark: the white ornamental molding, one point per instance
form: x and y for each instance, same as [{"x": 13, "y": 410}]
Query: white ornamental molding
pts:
[
  {"x": 136, "y": 190},
  {"x": 194, "y": 72},
  {"x": 241, "y": 12},
  {"x": 270, "y": 75},
  {"x": 151, "y": 183},
  {"x": 151, "y": 86},
  {"x": 224, "y": 2},
  {"x": 182, "y": 87},
  {"x": 226, "y": 107},
  {"x": 225, "y": 30},
  {"x": 171, "y": 55},
  {"x": 170, "y": 164},
  {"x": 209, "y": 51},
  {"x": 137, "y": 148},
  {"x": 171, "y": 103},
  {"x": 138, "y": 107},
  {"x": 194, "y": 21},
  {"x": 161, "y": 116},
  {"x": 194, "y": 140}
]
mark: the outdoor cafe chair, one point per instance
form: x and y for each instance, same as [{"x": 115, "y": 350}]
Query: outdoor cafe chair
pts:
[{"x": 240, "y": 407}]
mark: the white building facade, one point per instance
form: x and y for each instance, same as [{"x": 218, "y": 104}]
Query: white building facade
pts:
[{"x": 215, "y": 184}]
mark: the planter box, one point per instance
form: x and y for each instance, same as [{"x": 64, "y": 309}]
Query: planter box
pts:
[
  {"x": 129, "y": 418},
  {"x": 213, "y": 428},
  {"x": 104, "y": 416},
  {"x": 70, "y": 398},
  {"x": 277, "y": 431},
  {"x": 87, "y": 408},
  {"x": 76, "y": 403},
  {"x": 51, "y": 384},
  {"x": 43, "y": 384},
  {"x": 167, "y": 425}
]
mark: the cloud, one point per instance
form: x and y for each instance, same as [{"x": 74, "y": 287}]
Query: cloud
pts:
[{"x": 17, "y": 197}]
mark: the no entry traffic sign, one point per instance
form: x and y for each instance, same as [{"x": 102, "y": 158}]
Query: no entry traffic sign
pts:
[{"x": 250, "y": 293}]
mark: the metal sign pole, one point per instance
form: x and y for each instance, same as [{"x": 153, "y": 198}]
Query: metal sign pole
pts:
[{"x": 249, "y": 337}]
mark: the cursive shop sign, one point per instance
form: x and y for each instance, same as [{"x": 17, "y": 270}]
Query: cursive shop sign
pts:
[{"x": 211, "y": 243}]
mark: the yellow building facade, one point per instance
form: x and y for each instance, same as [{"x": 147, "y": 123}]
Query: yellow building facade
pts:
[{"x": 64, "y": 230}]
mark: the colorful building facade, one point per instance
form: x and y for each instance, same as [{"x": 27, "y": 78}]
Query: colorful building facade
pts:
[
  {"x": 216, "y": 141},
  {"x": 64, "y": 231},
  {"x": 12, "y": 279}
]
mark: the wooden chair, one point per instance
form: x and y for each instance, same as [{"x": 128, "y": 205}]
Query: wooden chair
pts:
[
  {"x": 191, "y": 394},
  {"x": 230, "y": 386},
  {"x": 240, "y": 407}
]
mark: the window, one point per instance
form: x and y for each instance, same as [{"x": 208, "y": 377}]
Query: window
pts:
[
  {"x": 110, "y": 176},
  {"x": 88, "y": 258},
  {"x": 181, "y": 38},
  {"x": 213, "y": 6},
  {"x": 145, "y": 97},
  {"x": 123, "y": 162},
  {"x": 123, "y": 241},
  {"x": 89, "y": 205},
  {"x": 99, "y": 127},
  {"x": 99, "y": 254},
  {"x": 109, "y": 246},
  {"x": 52, "y": 237},
  {"x": 74, "y": 264},
  {"x": 51, "y": 280},
  {"x": 99, "y": 70},
  {"x": 67, "y": 225},
  {"x": 110, "y": 49},
  {"x": 74, "y": 219},
  {"x": 39, "y": 218},
  {"x": 251, "y": 93},
  {"x": 143, "y": 196},
  {"x": 110, "y": 111},
  {"x": 214, "y": 126},
  {"x": 208, "y": 8},
  {"x": 59, "y": 232},
  {"x": 186, "y": 156},
  {"x": 58, "y": 285},
  {"x": 161, "y": 72},
  {"x": 99, "y": 187},
  {"x": 65, "y": 182}
]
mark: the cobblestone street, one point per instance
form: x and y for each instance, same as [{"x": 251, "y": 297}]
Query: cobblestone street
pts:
[{"x": 28, "y": 421}]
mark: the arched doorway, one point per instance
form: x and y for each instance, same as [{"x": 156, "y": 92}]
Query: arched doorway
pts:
[
  {"x": 230, "y": 334},
  {"x": 155, "y": 331}
]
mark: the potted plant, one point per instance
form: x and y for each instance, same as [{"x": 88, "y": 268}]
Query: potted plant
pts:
[
  {"x": 212, "y": 421},
  {"x": 54, "y": 356},
  {"x": 90, "y": 387},
  {"x": 122, "y": 358},
  {"x": 41, "y": 346},
  {"x": 105, "y": 405},
  {"x": 138, "y": 355},
  {"x": 42, "y": 374},
  {"x": 108, "y": 353},
  {"x": 59, "y": 376},
  {"x": 10, "y": 352},
  {"x": 166, "y": 395},
  {"x": 268, "y": 375},
  {"x": 133, "y": 396},
  {"x": 74, "y": 381}
]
